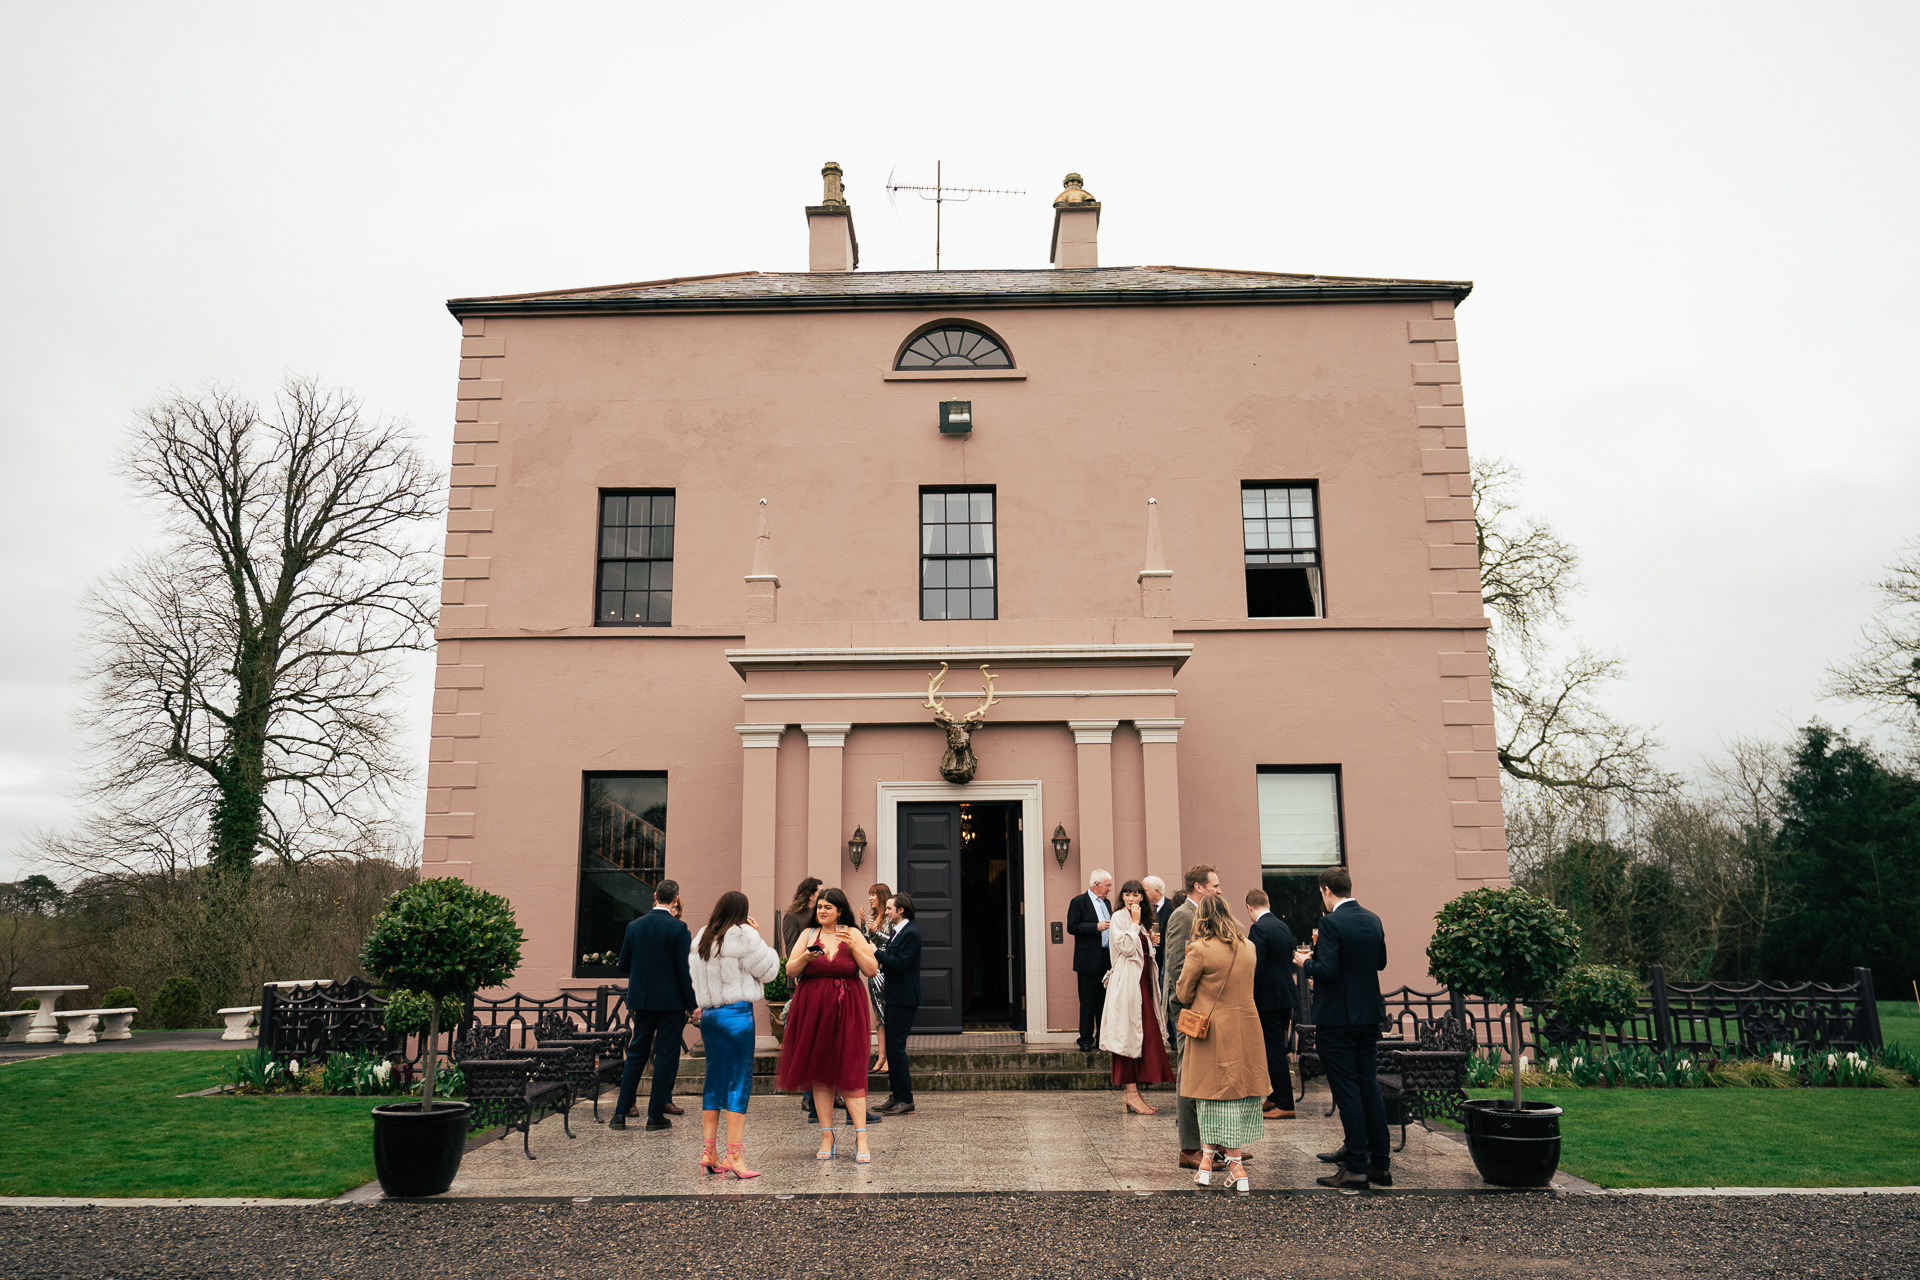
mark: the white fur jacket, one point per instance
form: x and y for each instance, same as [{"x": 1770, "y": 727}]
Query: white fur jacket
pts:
[{"x": 741, "y": 966}]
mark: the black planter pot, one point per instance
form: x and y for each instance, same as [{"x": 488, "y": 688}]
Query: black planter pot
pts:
[
  {"x": 415, "y": 1152},
  {"x": 1513, "y": 1148}
]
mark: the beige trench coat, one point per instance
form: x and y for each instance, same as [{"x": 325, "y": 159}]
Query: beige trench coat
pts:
[
  {"x": 1123, "y": 1020},
  {"x": 1232, "y": 1061}
]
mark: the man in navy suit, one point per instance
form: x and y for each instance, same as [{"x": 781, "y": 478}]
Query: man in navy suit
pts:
[
  {"x": 1273, "y": 996},
  {"x": 659, "y": 997},
  {"x": 901, "y": 991},
  {"x": 1347, "y": 1011},
  {"x": 1089, "y": 920}
]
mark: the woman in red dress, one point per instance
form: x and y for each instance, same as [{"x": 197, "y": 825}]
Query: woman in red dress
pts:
[{"x": 828, "y": 1026}]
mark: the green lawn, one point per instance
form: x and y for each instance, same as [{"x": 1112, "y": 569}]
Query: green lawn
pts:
[
  {"x": 110, "y": 1125},
  {"x": 1900, "y": 1023},
  {"x": 1737, "y": 1137}
]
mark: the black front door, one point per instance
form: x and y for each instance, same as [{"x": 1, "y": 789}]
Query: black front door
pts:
[{"x": 929, "y": 863}]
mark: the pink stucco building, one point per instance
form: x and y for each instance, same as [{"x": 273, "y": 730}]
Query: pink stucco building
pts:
[{"x": 1209, "y": 531}]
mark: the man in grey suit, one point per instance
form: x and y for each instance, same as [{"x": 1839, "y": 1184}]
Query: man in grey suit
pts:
[{"x": 1202, "y": 882}]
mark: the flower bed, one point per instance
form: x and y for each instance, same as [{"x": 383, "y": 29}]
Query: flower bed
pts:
[
  {"x": 361, "y": 1074},
  {"x": 1639, "y": 1067}
]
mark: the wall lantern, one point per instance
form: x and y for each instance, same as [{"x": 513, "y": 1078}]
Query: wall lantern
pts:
[
  {"x": 857, "y": 847},
  {"x": 1060, "y": 844},
  {"x": 956, "y": 417}
]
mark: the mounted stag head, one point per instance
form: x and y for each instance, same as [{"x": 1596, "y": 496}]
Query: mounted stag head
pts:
[{"x": 959, "y": 762}]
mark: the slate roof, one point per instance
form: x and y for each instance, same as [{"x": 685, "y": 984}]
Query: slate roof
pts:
[{"x": 852, "y": 290}]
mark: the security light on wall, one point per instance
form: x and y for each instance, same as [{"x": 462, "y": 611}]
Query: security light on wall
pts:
[{"x": 956, "y": 417}]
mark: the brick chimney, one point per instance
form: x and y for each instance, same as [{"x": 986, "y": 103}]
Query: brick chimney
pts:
[
  {"x": 831, "y": 245},
  {"x": 1076, "y": 226}
]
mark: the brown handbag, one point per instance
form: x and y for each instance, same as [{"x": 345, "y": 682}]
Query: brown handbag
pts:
[{"x": 1193, "y": 1024}]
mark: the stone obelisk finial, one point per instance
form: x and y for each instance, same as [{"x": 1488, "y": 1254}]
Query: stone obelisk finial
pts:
[
  {"x": 1156, "y": 580},
  {"x": 763, "y": 584}
]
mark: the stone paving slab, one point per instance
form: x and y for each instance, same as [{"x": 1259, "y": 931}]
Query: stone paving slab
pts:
[{"x": 955, "y": 1142}]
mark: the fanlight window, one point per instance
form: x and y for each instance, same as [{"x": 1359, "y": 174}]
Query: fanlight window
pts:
[{"x": 954, "y": 348}]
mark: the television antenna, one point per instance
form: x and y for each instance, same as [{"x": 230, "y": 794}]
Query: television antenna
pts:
[{"x": 942, "y": 193}]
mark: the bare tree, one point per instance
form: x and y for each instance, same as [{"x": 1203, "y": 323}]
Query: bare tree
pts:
[
  {"x": 1886, "y": 671},
  {"x": 241, "y": 681},
  {"x": 1553, "y": 731}
]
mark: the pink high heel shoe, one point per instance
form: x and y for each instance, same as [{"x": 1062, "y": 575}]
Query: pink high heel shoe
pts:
[
  {"x": 710, "y": 1160},
  {"x": 734, "y": 1161}
]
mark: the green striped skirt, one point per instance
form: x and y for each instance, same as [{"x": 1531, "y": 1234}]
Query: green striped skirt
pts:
[{"x": 1230, "y": 1122}]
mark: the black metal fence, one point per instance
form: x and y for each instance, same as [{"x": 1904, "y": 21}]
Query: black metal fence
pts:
[
  {"x": 313, "y": 1021},
  {"x": 1712, "y": 1019}
]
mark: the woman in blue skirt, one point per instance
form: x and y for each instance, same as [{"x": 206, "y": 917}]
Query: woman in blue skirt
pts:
[{"x": 730, "y": 963}]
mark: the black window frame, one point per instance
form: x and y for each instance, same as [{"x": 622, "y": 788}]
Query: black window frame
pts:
[
  {"x": 581, "y": 969},
  {"x": 937, "y": 326},
  {"x": 920, "y": 587},
  {"x": 602, "y": 560},
  {"x": 1318, "y": 564},
  {"x": 1293, "y": 892}
]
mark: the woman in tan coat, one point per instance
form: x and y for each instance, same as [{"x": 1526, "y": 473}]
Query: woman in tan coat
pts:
[{"x": 1226, "y": 1072}]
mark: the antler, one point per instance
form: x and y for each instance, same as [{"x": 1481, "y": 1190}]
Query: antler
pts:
[
  {"x": 934, "y": 702},
  {"x": 981, "y": 710}
]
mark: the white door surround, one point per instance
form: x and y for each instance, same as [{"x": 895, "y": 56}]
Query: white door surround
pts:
[{"x": 1032, "y": 871}]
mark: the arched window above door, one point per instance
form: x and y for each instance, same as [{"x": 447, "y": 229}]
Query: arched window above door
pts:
[{"x": 954, "y": 346}]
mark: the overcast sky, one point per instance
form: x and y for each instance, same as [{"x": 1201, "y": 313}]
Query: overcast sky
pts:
[{"x": 1690, "y": 228}]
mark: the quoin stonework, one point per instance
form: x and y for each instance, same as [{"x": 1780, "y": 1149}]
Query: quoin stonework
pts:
[{"x": 1209, "y": 530}]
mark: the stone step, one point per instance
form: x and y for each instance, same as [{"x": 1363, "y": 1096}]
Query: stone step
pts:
[{"x": 1034, "y": 1068}]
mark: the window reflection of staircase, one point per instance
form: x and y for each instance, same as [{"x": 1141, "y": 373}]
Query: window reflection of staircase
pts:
[{"x": 622, "y": 840}]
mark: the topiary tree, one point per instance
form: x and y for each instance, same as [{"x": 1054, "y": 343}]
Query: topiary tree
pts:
[
  {"x": 442, "y": 938},
  {"x": 1598, "y": 995},
  {"x": 1504, "y": 944},
  {"x": 120, "y": 998},
  {"x": 178, "y": 1005},
  {"x": 410, "y": 1013}
]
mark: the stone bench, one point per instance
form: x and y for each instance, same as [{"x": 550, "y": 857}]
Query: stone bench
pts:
[
  {"x": 18, "y": 1020},
  {"x": 117, "y": 1024},
  {"x": 238, "y": 1019}
]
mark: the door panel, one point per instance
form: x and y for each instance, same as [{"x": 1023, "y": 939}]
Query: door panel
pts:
[{"x": 929, "y": 871}]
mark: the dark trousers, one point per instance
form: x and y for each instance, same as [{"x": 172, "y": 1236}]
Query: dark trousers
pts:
[
  {"x": 656, "y": 1034},
  {"x": 1093, "y": 998},
  {"x": 899, "y": 1076},
  {"x": 1273, "y": 1028},
  {"x": 1349, "y": 1056}
]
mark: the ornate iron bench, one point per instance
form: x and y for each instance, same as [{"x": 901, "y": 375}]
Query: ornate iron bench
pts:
[
  {"x": 1427, "y": 1081},
  {"x": 508, "y": 1086},
  {"x": 601, "y": 1058}
]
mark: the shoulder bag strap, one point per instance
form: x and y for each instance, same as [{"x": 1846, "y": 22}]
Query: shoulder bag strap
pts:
[{"x": 1227, "y": 979}]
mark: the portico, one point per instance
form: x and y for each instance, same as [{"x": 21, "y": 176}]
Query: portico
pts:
[{"x": 865, "y": 741}]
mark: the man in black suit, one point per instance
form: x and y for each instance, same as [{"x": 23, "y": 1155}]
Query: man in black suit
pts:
[
  {"x": 1347, "y": 1011},
  {"x": 659, "y": 998},
  {"x": 901, "y": 991},
  {"x": 1089, "y": 920},
  {"x": 1273, "y": 996}
]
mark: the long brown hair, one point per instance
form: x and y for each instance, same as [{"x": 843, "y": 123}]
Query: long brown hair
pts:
[
  {"x": 883, "y": 893},
  {"x": 1216, "y": 920},
  {"x": 728, "y": 912},
  {"x": 803, "y": 896}
]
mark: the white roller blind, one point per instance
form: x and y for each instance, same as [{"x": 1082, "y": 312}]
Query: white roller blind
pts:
[{"x": 1299, "y": 820}]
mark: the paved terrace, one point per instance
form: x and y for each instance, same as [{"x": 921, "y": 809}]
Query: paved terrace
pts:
[{"x": 955, "y": 1142}]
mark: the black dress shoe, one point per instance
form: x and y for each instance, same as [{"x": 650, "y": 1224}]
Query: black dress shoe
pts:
[
  {"x": 617, "y": 1123},
  {"x": 1344, "y": 1179},
  {"x": 1380, "y": 1177},
  {"x": 1332, "y": 1157},
  {"x": 661, "y": 1123},
  {"x": 892, "y": 1108}
]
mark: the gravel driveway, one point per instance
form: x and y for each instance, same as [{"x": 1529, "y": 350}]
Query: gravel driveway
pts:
[{"x": 1180, "y": 1236}]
